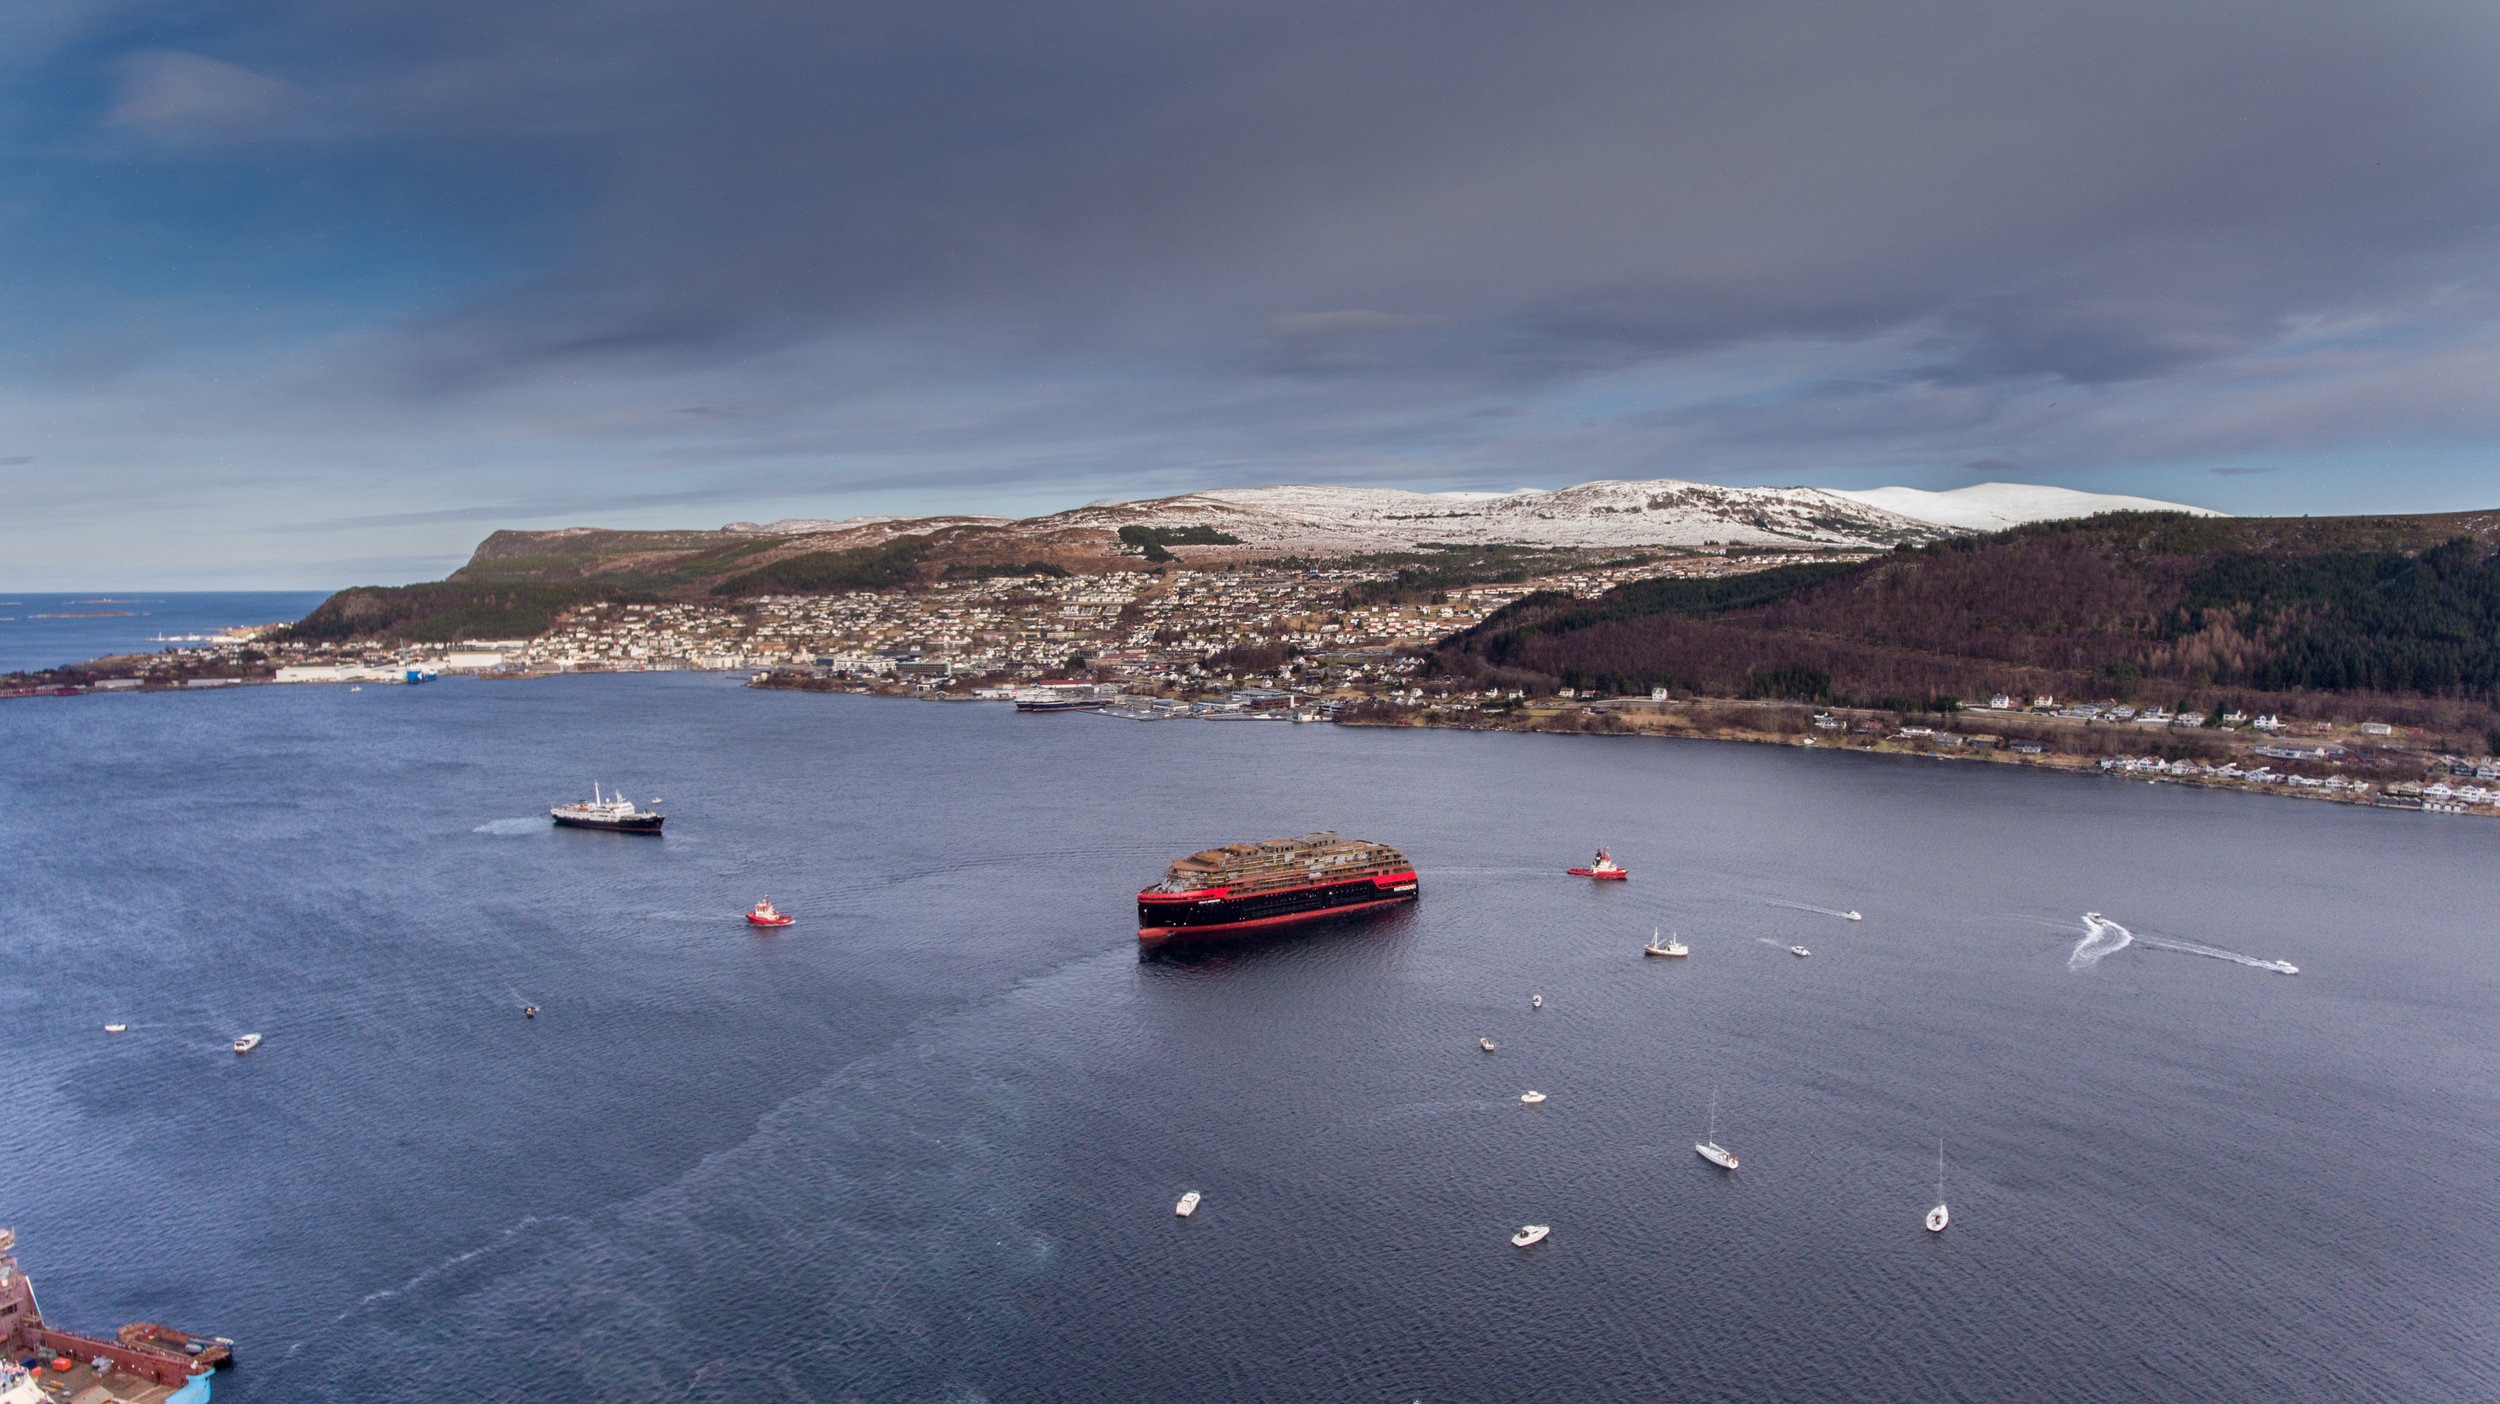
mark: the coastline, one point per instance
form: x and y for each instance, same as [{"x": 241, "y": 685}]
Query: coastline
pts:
[{"x": 2380, "y": 783}]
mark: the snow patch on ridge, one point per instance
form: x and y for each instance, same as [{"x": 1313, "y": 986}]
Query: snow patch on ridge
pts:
[
  {"x": 1996, "y": 506},
  {"x": 1660, "y": 512}
]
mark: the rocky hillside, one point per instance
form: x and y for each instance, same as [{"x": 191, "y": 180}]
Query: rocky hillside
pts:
[{"x": 1250, "y": 524}]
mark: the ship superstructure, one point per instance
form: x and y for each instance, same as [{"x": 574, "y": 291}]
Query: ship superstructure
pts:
[
  {"x": 1245, "y": 887},
  {"x": 611, "y": 812}
]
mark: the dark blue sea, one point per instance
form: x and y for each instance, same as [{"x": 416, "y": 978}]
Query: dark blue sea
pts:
[
  {"x": 49, "y": 630},
  {"x": 924, "y": 1145}
]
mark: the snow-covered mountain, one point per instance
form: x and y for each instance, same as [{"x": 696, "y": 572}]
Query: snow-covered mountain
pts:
[
  {"x": 1662, "y": 512},
  {"x": 1996, "y": 506},
  {"x": 1603, "y": 515}
]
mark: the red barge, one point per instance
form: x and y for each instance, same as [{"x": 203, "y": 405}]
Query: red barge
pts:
[{"x": 1244, "y": 888}]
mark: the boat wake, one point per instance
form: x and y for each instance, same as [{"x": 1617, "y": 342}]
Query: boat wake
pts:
[
  {"x": 2103, "y": 938},
  {"x": 510, "y": 828},
  {"x": 1783, "y": 945},
  {"x": 1807, "y": 907}
]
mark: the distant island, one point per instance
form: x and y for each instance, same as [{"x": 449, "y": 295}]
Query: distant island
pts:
[{"x": 2363, "y": 651}]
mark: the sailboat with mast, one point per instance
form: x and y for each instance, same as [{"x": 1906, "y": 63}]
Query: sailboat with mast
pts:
[
  {"x": 1710, "y": 1149},
  {"x": 1939, "y": 1216}
]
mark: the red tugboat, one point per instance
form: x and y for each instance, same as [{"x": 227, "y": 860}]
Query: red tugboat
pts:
[
  {"x": 1603, "y": 868},
  {"x": 1247, "y": 887},
  {"x": 765, "y": 913},
  {"x": 143, "y": 1361}
]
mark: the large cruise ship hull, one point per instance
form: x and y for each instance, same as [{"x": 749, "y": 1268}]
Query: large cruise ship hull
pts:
[
  {"x": 649, "y": 824},
  {"x": 1197, "y": 916}
]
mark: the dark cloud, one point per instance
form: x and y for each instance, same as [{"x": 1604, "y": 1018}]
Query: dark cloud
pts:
[
  {"x": 1113, "y": 244},
  {"x": 2096, "y": 193}
]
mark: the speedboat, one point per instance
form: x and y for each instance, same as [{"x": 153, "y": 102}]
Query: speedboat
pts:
[
  {"x": 1799, "y": 951},
  {"x": 529, "y": 1011},
  {"x": 1536, "y": 1001},
  {"x": 1486, "y": 1044},
  {"x": 1673, "y": 947},
  {"x": 117, "y": 1028},
  {"x": 1530, "y": 1233},
  {"x": 765, "y": 914},
  {"x": 1603, "y": 868},
  {"x": 247, "y": 1043},
  {"x": 1851, "y": 915},
  {"x": 1188, "y": 1205},
  {"x": 1532, "y": 1098},
  {"x": 1939, "y": 1216}
]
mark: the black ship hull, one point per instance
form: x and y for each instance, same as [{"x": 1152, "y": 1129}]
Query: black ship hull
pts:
[
  {"x": 649, "y": 824},
  {"x": 1187, "y": 916}
]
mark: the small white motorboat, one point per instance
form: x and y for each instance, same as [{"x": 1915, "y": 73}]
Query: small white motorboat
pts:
[
  {"x": 1486, "y": 1044},
  {"x": 1530, "y": 1233},
  {"x": 1673, "y": 947},
  {"x": 1799, "y": 951},
  {"x": 117, "y": 1028},
  {"x": 1536, "y": 1001},
  {"x": 1851, "y": 915},
  {"x": 1710, "y": 1149},
  {"x": 1188, "y": 1205},
  {"x": 247, "y": 1043},
  {"x": 1532, "y": 1098},
  {"x": 355, "y": 689}
]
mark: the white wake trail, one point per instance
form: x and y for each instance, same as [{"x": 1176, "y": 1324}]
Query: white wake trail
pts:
[
  {"x": 2103, "y": 938},
  {"x": 1805, "y": 907},
  {"x": 2280, "y": 967}
]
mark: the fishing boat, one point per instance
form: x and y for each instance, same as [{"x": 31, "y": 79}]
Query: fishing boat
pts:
[
  {"x": 529, "y": 1011},
  {"x": 1603, "y": 868},
  {"x": 1673, "y": 947},
  {"x": 1799, "y": 951},
  {"x": 1188, "y": 1205},
  {"x": 1530, "y": 1233},
  {"x": 247, "y": 1043},
  {"x": 1710, "y": 1149},
  {"x": 1532, "y": 1098},
  {"x": 1939, "y": 1216},
  {"x": 764, "y": 913}
]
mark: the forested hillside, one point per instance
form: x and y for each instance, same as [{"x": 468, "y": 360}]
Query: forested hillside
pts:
[{"x": 2290, "y": 614}]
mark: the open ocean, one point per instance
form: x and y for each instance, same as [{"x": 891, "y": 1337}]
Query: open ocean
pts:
[
  {"x": 924, "y": 1145},
  {"x": 49, "y": 630}
]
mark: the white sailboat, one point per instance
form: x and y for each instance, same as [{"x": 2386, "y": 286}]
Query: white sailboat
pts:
[
  {"x": 1939, "y": 1216},
  {"x": 1710, "y": 1149}
]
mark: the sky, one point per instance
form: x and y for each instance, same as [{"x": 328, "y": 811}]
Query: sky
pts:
[{"x": 303, "y": 294}]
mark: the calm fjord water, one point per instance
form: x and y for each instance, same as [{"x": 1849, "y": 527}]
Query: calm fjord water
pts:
[
  {"x": 50, "y": 630},
  {"x": 924, "y": 1145}
]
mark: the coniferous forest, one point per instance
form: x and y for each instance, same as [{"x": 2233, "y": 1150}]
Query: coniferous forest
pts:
[{"x": 2319, "y": 617}]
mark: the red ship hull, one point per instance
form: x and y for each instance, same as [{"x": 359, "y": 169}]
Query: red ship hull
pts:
[
  {"x": 1617, "y": 875},
  {"x": 1216, "y": 914}
]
